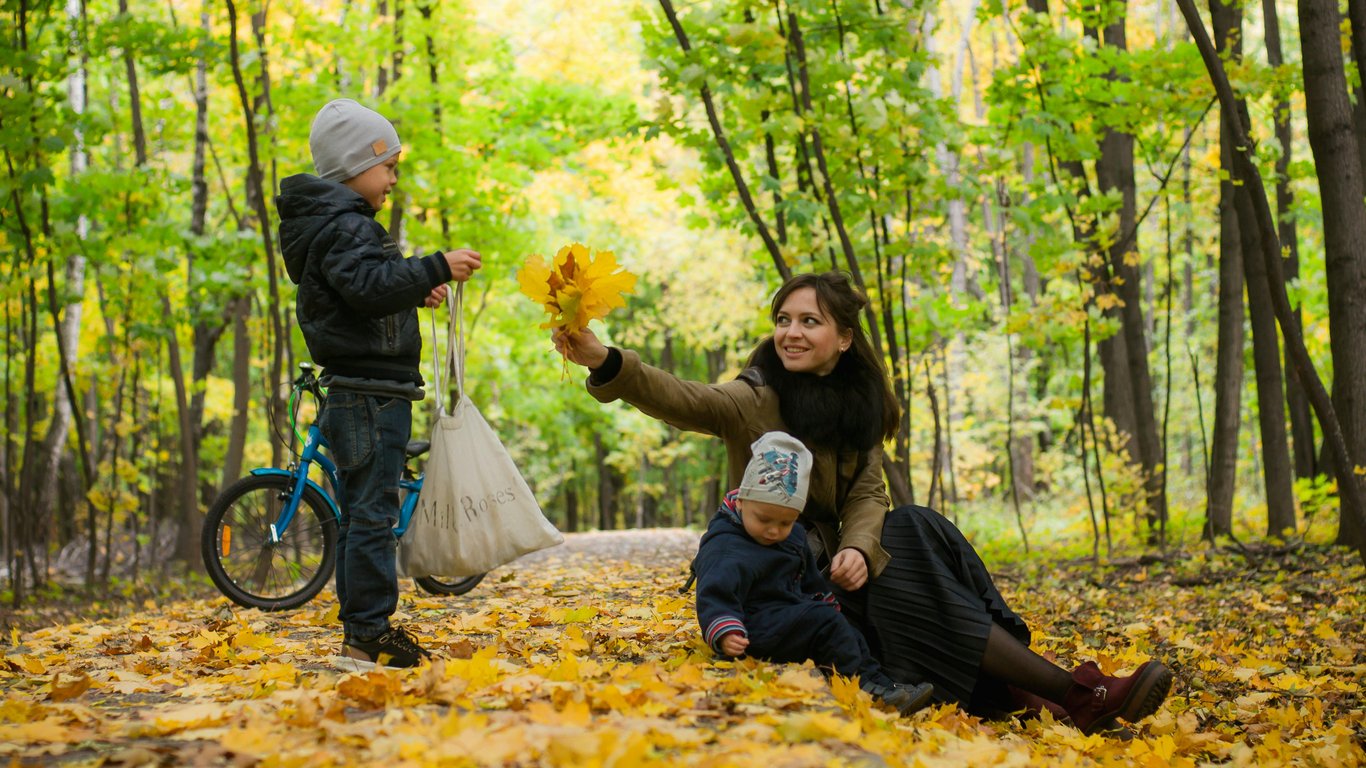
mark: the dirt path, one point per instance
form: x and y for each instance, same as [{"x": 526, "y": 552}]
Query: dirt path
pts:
[{"x": 640, "y": 545}]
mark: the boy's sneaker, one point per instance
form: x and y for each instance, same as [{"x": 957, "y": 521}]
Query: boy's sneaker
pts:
[
  {"x": 905, "y": 699},
  {"x": 394, "y": 648}
]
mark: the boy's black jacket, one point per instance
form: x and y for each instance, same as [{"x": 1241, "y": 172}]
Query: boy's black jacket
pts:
[
  {"x": 766, "y": 589},
  {"x": 358, "y": 297}
]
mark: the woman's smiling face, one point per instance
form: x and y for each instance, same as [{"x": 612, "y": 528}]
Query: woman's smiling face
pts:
[{"x": 807, "y": 339}]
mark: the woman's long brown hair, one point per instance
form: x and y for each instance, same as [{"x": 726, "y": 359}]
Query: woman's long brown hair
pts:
[{"x": 838, "y": 298}]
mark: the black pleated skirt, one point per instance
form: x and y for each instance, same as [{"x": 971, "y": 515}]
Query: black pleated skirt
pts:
[{"x": 927, "y": 615}]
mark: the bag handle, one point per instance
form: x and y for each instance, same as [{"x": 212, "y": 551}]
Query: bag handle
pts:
[{"x": 455, "y": 347}]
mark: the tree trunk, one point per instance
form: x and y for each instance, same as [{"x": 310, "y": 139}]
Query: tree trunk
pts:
[
  {"x": 29, "y": 537},
  {"x": 1336, "y": 157},
  {"x": 1033, "y": 285},
  {"x": 188, "y": 518},
  {"x": 54, "y": 443},
  {"x": 1277, "y": 477},
  {"x": 241, "y": 398},
  {"x": 647, "y": 506},
  {"x": 1350, "y": 488},
  {"x": 256, "y": 202},
  {"x": 1115, "y": 170},
  {"x": 1117, "y": 397},
  {"x": 571, "y": 503},
  {"x": 607, "y": 489},
  {"x": 206, "y": 332},
  {"x": 1228, "y": 373},
  {"x": 1301, "y": 420},
  {"x": 1356, "y": 12},
  {"x": 7, "y": 485},
  {"x": 1274, "y": 453}
]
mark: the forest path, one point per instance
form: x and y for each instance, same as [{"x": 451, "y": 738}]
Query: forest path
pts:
[{"x": 635, "y": 545}]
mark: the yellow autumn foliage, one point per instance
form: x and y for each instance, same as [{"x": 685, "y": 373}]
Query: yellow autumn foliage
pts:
[
  {"x": 568, "y": 661},
  {"x": 577, "y": 286}
]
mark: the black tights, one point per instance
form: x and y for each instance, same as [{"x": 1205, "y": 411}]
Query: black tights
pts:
[{"x": 1008, "y": 659}]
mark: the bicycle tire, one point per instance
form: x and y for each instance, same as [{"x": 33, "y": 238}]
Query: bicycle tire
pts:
[
  {"x": 244, "y": 564},
  {"x": 442, "y": 585}
]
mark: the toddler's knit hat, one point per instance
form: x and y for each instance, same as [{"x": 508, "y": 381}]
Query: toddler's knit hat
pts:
[
  {"x": 348, "y": 140},
  {"x": 778, "y": 472}
]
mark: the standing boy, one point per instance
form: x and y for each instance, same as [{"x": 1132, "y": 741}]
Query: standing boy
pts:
[
  {"x": 759, "y": 590},
  {"x": 357, "y": 306}
]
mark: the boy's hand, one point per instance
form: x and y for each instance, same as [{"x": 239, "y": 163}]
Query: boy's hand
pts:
[
  {"x": 734, "y": 644},
  {"x": 848, "y": 569},
  {"x": 436, "y": 298},
  {"x": 582, "y": 347},
  {"x": 463, "y": 262}
]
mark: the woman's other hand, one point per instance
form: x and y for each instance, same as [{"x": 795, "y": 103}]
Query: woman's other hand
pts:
[
  {"x": 581, "y": 347},
  {"x": 849, "y": 570}
]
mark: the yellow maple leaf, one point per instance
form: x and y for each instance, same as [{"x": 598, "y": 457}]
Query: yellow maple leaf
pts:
[
  {"x": 371, "y": 690},
  {"x": 63, "y": 690},
  {"x": 815, "y": 726},
  {"x": 578, "y": 286}
]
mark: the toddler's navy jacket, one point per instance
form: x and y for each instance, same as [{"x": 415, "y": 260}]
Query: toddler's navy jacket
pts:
[{"x": 760, "y": 591}]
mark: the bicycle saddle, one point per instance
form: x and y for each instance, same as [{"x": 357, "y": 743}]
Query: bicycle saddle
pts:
[{"x": 417, "y": 447}]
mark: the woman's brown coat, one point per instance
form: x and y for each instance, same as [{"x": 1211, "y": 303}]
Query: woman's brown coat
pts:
[{"x": 847, "y": 499}]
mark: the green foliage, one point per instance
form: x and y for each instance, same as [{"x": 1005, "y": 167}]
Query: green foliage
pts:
[{"x": 528, "y": 125}]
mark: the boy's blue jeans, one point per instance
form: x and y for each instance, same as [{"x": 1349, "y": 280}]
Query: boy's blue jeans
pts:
[{"x": 367, "y": 435}]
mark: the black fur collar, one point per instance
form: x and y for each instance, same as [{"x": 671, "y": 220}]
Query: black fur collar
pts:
[{"x": 841, "y": 410}]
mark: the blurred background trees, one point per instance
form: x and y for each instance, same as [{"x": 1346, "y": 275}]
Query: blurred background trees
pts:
[{"x": 1042, "y": 199}]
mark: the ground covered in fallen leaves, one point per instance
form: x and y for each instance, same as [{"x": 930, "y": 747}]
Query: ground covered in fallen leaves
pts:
[{"x": 587, "y": 655}]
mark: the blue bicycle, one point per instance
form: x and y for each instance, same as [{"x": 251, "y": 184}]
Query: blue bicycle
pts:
[{"x": 270, "y": 539}]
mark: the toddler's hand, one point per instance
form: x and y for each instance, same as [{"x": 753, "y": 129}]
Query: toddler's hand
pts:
[
  {"x": 463, "y": 262},
  {"x": 734, "y": 644},
  {"x": 436, "y": 298}
]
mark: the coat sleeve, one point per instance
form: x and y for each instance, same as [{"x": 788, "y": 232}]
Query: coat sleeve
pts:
[
  {"x": 864, "y": 511},
  {"x": 712, "y": 409},
  {"x": 813, "y": 583},
  {"x": 722, "y": 580},
  {"x": 371, "y": 281}
]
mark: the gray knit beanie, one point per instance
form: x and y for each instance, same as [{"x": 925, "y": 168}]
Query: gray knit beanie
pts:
[
  {"x": 778, "y": 472},
  {"x": 348, "y": 140}
]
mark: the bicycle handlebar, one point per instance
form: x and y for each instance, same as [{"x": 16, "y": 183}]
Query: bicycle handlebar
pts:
[{"x": 308, "y": 381}]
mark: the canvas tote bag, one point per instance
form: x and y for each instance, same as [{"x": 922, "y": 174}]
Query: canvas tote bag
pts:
[{"x": 475, "y": 512}]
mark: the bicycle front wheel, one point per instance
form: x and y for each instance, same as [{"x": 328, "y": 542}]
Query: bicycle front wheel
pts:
[{"x": 252, "y": 569}]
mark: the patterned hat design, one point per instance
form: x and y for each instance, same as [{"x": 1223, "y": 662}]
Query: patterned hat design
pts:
[{"x": 778, "y": 472}]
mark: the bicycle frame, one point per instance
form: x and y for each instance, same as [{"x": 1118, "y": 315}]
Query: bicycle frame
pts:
[
  {"x": 274, "y": 573},
  {"x": 314, "y": 444}
]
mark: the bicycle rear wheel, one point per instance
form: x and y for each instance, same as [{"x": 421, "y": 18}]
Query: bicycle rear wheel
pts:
[
  {"x": 254, "y": 571},
  {"x": 443, "y": 585}
]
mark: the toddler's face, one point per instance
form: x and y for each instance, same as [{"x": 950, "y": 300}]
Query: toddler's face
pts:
[
  {"x": 766, "y": 523},
  {"x": 376, "y": 183}
]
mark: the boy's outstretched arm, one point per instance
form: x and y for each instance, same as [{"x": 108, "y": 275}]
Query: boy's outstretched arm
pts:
[
  {"x": 360, "y": 267},
  {"x": 463, "y": 263}
]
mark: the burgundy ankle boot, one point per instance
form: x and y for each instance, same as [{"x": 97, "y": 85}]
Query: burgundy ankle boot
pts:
[
  {"x": 1029, "y": 705},
  {"x": 1095, "y": 699}
]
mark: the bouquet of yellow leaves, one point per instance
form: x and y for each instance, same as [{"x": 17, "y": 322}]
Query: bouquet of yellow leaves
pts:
[{"x": 578, "y": 286}]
